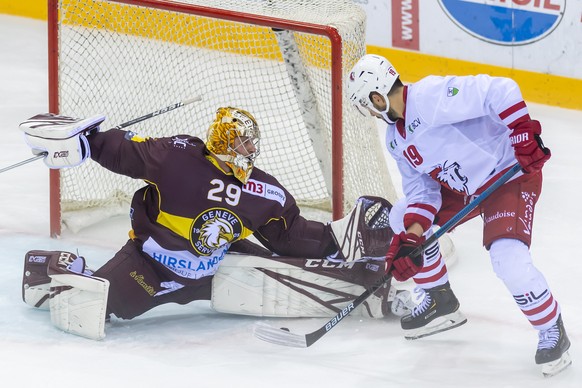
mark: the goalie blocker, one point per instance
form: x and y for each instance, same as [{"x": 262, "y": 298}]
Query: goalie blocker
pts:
[{"x": 63, "y": 139}]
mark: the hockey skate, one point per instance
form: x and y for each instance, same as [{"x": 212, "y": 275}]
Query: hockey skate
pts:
[
  {"x": 552, "y": 353},
  {"x": 437, "y": 312}
]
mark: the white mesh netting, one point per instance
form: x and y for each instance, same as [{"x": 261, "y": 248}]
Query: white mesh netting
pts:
[{"x": 129, "y": 60}]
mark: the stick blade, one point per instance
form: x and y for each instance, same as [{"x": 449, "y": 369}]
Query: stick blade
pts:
[{"x": 279, "y": 336}]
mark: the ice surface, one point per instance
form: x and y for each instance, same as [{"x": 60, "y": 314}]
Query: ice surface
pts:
[{"x": 193, "y": 346}]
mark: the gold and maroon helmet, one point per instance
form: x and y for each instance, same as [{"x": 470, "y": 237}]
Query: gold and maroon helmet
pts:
[{"x": 230, "y": 124}]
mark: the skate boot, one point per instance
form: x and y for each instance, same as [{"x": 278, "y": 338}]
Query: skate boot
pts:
[
  {"x": 438, "y": 312},
  {"x": 552, "y": 353}
]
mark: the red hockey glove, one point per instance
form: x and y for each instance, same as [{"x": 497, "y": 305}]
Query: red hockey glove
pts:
[
  {"x": 400, "y": 263},
  {"x": 528, "y": 146}
]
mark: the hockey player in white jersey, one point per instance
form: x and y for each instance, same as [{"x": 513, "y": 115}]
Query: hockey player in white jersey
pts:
[{"x": 451, "y": 138}]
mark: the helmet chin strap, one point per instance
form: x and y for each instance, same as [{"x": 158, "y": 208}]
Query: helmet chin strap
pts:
[
  {"x": 384, "y": 113},
  {"x": 386, "y": 118}
]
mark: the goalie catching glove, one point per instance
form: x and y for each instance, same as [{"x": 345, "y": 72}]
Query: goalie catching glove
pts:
[
  {"x": 364, "y": 233},
  {"x": 63, "y": 139}
]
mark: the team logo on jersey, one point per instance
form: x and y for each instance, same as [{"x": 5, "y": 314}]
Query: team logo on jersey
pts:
[
  {"x": 508, "y": 23},
  {"x": 450, "y": 176},
  {"x": 213, "y": 229},
  {"x": 452, "y": 91}
]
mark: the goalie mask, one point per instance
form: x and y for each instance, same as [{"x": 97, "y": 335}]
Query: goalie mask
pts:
[
  {"x": 234, "y": 138},
  {"x": 372, "y": 73}
]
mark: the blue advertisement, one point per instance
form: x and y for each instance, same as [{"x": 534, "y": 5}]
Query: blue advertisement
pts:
[{"x": 506, "y": 22}]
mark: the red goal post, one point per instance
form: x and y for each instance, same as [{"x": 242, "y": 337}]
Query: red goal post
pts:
[{"x": 285, "y": 61}]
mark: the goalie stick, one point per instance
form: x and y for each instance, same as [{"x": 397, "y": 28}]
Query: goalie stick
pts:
[
  {"x": 120, "y": 126},
  {"x": 39, "y": 156},
  {"x": 284, "y": 337}
]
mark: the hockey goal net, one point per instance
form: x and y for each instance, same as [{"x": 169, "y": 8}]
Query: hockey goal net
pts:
[{"x": 285, "y": 61}]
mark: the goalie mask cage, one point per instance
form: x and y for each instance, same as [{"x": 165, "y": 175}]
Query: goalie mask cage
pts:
[{"x": 285, "y": 61}]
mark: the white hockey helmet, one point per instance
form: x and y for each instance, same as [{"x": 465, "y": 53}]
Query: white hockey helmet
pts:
[{"x": 372, "y": 73}]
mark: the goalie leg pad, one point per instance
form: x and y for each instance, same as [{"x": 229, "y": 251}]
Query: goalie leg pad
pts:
[
  {"x": 78, "y": 302},
  {"x": 296, "y": 287}
]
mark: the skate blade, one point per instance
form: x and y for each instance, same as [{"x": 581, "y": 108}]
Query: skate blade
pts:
[
  {"x": 444, "y": 323},
  {"x": 552, "y": 368}
]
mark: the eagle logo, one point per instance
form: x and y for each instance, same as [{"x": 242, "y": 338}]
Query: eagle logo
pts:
[
  {"x": 213, "y": 229},
  {"x": 216, "y": 232}
]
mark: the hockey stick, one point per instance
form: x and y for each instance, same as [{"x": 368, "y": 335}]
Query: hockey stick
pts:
[
  {"x": 159, "y": 112},
  {"x": 120, "y": 126},
  {"x": 39, "y": 156},
  {"x": 284, "y": 337}
]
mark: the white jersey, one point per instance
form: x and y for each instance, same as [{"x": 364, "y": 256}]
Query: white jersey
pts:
[{"x": 455, "y": 134}]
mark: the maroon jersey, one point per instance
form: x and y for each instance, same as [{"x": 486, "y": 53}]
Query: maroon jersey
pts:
[{"x": 190, "y": 211}]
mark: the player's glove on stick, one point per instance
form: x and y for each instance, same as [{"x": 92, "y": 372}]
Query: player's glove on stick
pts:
[
  {"x": 528, "y": 146},
  {"x": 400, "y": 263}
]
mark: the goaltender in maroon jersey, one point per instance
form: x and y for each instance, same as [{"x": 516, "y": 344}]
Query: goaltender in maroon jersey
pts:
[{"x": 199, "y": 199}]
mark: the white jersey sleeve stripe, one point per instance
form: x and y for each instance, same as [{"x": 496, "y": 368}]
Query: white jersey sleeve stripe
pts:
[
  {"x": 514, "y": 114},
  {"x": 422, "y": 215}
]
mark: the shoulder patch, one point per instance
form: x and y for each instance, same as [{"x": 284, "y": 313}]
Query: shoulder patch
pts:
[
  {"x": 182, "y": 142},
  {"x": 129, "y": 135},
  {"x": 452, "y": 91}
]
